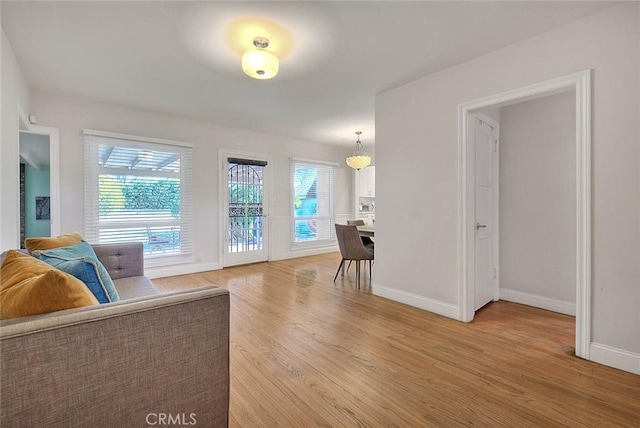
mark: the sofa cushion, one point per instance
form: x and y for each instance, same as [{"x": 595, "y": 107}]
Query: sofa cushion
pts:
[
  {"x": 29, "y": 286},
  {"x": 121, "y": 260},
  {"x": 84, "y": 262},
  {"x": 135, "y": 286},
  {"x": 33, "y": 244}
]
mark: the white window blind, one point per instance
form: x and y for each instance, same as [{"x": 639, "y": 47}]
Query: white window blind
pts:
[
  {"x": 139, "y": 189},
  {"x": 312, "y": 203}
]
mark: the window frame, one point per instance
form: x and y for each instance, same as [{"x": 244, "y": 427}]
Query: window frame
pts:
[
  {"x": 93, "y": 170},
  {"x": 330, "y": 240}
]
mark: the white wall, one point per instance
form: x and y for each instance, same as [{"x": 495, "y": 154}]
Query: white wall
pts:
[
  {"x": 538, "y": 203},
  {"x": 15, "y": 99},
  {"x": 417, "y": 153},
  {"x": 71, "y": 115}
]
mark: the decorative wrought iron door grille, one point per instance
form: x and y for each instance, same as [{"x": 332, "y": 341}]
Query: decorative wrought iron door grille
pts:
[{"x": 246, "y": 198}]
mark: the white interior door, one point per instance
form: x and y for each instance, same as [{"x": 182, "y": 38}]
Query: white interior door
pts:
[
  {"x": 246, "y": 229},
  {"x": 486, "y": 207}
]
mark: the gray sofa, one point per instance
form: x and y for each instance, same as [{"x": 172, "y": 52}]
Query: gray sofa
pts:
[{"x": 149, "y": 359}]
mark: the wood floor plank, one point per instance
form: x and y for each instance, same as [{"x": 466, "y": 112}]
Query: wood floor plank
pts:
[{"x": 308, "y": 352}]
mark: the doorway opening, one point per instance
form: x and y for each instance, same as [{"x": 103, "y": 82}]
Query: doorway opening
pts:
[
  {"x": 35, "y": 188},
  {"x": 39, "y": 182},
  {"x": 580, "y": 83},
  {"x": 243, "y": 196}
]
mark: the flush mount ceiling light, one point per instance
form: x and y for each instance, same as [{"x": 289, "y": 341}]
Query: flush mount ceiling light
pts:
[
  {"x": 359, "y": 159},
  {"x": 259, "y": 63}
]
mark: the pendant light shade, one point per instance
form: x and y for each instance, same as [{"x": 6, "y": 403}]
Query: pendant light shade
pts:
[
  {"x": 359, "y": 159},
  {"x": 259, "y": 63}
]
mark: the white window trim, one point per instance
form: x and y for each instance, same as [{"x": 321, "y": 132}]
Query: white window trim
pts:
[{"x": 134, "y": 138}]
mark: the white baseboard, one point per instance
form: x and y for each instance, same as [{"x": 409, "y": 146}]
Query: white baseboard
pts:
[
  {"x": 415, "y": 300},
  {"x": 185, "y": 269},
  {"x": 614, "y": 357},
  {"x": 173, "y": 270},
  {"x": 560, "y": 306},
  {"x": 303, "y": 253}
]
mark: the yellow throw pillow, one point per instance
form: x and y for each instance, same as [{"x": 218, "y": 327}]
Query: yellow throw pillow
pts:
[
  {"x": 33, "y": 244},
  {"x": 29, "y": 286}
]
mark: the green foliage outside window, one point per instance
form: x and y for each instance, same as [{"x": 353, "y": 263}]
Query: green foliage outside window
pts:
[
  {"x": 127, "y": 193},
  {"x": 111, "y": 197},
  {"x": 154, "y": 195},
  {"x": 246, "y": 193}
]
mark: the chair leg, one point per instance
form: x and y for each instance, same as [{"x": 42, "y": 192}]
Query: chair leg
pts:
[
  {"x": 358, "y": 273},
  {"x": 370, "y": 269},
  {"x": 349, "y": 265},
  {"x": 338, "y": 271}
]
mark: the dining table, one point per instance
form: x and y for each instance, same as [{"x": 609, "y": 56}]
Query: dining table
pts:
[{"x": 367, "y": 230}]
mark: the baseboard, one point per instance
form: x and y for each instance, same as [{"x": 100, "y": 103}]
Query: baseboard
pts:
[
  {"x": 185, "y": 269},
  {"x": 303, "y": 253},
  {"x": 613, "y": 357},
  {"x": 536, "y": 301},
  {"x": 415, "y": 300}
]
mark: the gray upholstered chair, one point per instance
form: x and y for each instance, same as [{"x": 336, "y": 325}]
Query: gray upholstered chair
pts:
[
  {"x": 366, "y": 240},
  {"x": 352, "y": 248}
]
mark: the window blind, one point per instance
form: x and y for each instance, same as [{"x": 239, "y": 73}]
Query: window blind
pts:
[
  {"x": 312, "y": 201},
  {"x": 139, "y": 189}
]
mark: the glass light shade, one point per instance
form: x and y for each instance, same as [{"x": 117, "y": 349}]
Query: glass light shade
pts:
[
  {"x": 358, "y": 161},
  {"x": 260, "y": 64}
]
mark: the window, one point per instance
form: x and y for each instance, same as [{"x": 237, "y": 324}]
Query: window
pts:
[
  {"x": 312, "y": 190},
  {"x": 139, "y": 189}
]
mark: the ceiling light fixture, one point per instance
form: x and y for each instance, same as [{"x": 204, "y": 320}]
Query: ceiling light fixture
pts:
[
  {"x": 259, "y": 63},
  {"x": 359, "y": 159}
]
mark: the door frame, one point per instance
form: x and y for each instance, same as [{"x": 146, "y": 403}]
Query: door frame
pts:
[
  {"x": 54, "y": 168},
  {"x": 495, "y": 209},
  {"x": 223, "y": 201},
  {"x": 580, "y": 82}
]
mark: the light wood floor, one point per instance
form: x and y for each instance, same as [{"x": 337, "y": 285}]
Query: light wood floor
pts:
[{"x": 307, "y": 352}]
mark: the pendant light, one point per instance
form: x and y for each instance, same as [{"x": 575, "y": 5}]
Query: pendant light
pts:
[{"x": 359, "y": 159}]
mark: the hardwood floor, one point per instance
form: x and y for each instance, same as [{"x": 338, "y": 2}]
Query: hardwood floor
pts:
[{"x": 307, "y": 352}]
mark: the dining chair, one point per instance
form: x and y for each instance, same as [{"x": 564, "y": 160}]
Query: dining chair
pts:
[
  {"x": 366, "y": 240},
  {"x": 352, "y": 249}
]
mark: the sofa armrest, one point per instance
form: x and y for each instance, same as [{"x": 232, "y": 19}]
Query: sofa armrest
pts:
[
  {"x": 121, "y": 260},
  {"x": 115, "y": 364}
]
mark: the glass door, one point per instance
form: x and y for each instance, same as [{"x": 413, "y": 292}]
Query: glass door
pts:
[{"x": 246, "y": 231}]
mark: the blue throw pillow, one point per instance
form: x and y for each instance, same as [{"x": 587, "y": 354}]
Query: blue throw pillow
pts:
[
  {"x": 85, "y": 270},
  {"x": 82, "y": 251}
]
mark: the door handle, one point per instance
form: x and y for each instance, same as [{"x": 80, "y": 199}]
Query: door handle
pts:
[{"x": 480, "y": 226}]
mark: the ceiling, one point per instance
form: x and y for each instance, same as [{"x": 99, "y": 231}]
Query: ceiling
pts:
[
  {"x": 183, "y": 58},
  {"x": 34, "y": 150}
]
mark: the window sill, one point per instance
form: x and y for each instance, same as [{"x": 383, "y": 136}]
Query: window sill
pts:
[{"x": 158, "y": 260}]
